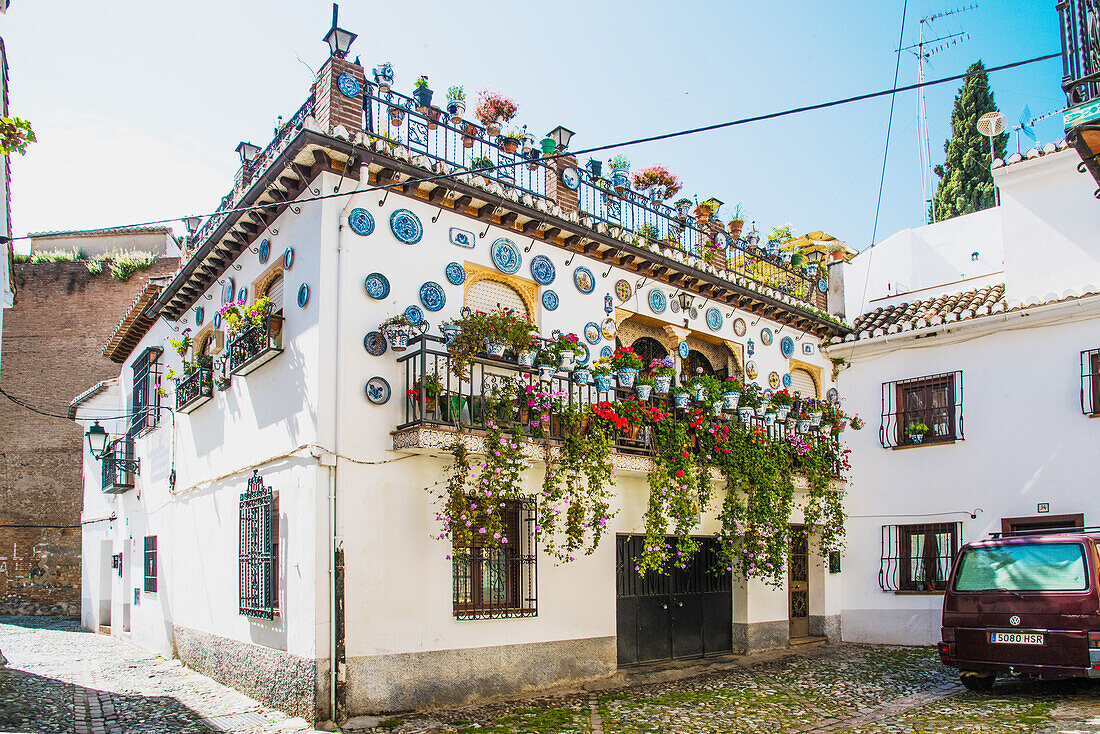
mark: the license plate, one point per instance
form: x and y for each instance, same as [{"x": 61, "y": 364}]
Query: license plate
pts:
[{"x": 1016, "y": 638}]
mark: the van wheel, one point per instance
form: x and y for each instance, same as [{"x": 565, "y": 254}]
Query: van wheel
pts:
[{"x": 978, "y": 682}]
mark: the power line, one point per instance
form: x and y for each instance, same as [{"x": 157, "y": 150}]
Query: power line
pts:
[
  {"x": 34, "y": 409},
  {"x": 596, "y": 149}
]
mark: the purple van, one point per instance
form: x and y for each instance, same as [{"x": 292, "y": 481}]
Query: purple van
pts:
[{"x": 1023, "y": 605}]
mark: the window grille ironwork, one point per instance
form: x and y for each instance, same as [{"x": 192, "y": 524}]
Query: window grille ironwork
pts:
[
  {"x": 918, "y": 557},
  {"x": 257, "y": 550},
  {"x": 255, "y": 344},
  {"x": 117, "y": 466},
  {"x": 934, "y": 400},
  {"x": 1090, "y": 382},
  {"x": 194, "y": 389},
  {"x": 151, "y": 563},
  {"x": 493, "y": 583},
  {"x": 145, "y": 400}
]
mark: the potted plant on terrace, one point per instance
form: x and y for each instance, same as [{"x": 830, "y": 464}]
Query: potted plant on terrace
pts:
[
  {"x": 705, "y": 212},
  {"x": 565, "y": 347},
  {"x": 915, "y": 432},
  {"x": 681, "y": 397},
  {"x": 432, "y": 387},
  {"x": 662, "y": 370},
  {"x": 398, "y": 329},
  {"x": 782, "y": 401},
  {"x": 750, "y": 402},
  {"x": 731, "y": 392},
  {"x": 238, "y": 315},
  {"x": 620, "y": 170},
  {"x": 683, "y": 208},
  {"x": 481, "y": 163},
  {"x": 659, "y": 181},
  {"x": 736, "y": 223},
  {"x": 627, "y": 365},
  {"x": 644, "y": 386},
  {"x": 493, "y": 110},
  {"x": 422, "y": 95},
  {"x": 601, "y": 374},
  {"x": 456, "y": 104}
]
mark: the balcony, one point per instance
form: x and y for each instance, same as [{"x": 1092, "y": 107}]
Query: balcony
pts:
[
  {"x": 117, "y": 466},
  {"x": 1078, "y": 20},
  {"x": 194, "y": 389},
  {"x": 255, "y": 345}
]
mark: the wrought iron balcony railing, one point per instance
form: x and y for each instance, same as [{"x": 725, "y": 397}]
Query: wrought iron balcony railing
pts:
[
  {"x": 118, "y": 466},
  {"x": 255, "y": 345},
  {"x": 1079, "y": 21},
  {"x": 194, "y": 389}
]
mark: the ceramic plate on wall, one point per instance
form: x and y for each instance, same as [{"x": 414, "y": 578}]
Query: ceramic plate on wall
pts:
[
  {"x": 462, "y": 237},
  {"x": 456, "y": 274},
  {"x": 584, "y": 280},
  {"x": 739, "y": 327},
  {"x": 592, "y": 332},
  {"x": 378, "y": 390},
  {"x": 227, "y": 291},
  {"x": 786, "y": 346},
  {"x": 375, "y": 343},
  {"x": 361, "y": 222},
  {"x": 377, "y": 285},
  {"x": 582, "y": 356},
  {"x": 766, "y": 336},
  {"x": 199, "y": 313},
  {"x": 674, "y": 304},
  {"x": 432, "y": 296},
  {"x": 787, "y": 379},
  {"x": 683, "y": 350},
  {"x": 714, "y": 319},
  {"x": 242, "y": 294},
  {"x": 773, "y": 380},
  {"x": 406, "y": 226},
  {"x": 414, "y": 315},
  {"x": 549, "y": 300},
  {"x": 542, "y": 270},
  {"x": 807, "y": 348},
  {"x": 288, "y": 258},
  {"x": 750, "y": 369},
  {"x": 303, "y": 295},
  {"x": 623, "y": 290},
  {"x": 657, "y": 300},
  {"x": 609, "y": 329},
  {"x": 506, "y": 256},
  {"x": 264, "y": 250},
  {"x": 606, "y": 352}
]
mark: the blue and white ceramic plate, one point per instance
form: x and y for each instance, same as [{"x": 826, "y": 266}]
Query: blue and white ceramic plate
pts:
[
  {"x": 542, "y": 270},
  {"x": 766, "y": 336},
  {"x": 606, "y": 352},
  {"x": 683, "y": 350},
  {"x": 592, "y": 332},
  {"x": 377, "y": 285},
  {"x": 674, "y": 304},
  {"x": 693, "y": 312},
  {"x": 227, "y": 291},
  {"x": 406, "y": 226},
  {"x": 414, "y": 315},
  {"x": 739, "y": 327},
  {"x": 456, "y": 274},
  {"x": 767, "y": 395},
  {"x": 375, "y": 343},
  {"x": 288, "y": 258},
  {"x": 348, "y": 85},
  {"x": 303, "y": 295},
  {"x": 462, "y": 237},
  {"x": 584, "y": 280},
  {"x": 432, "y": 296},
  {"x": 657, "y": 300},
  {"x": 505, "y": 255},
  {"x": 807, "y": 348},
  {"x": 199, "y": 312},
  {"x": 787, "y": 379},
  {"x": 361, "y": 222},
  {"x": 549, "y": 300},
  {"x": 786, "y": 346},
  {"x": 378, "y": 390},
  {"x": 714, "y": 319},
  {"x": 823, "y": 285},
  {"x": 264, "y": 250},
  {"x": 833, "y": 396},
  {"x": 583, "y": 355},
  {"x": 242, "y": 294},
  {"x": 217, "y": 320}
]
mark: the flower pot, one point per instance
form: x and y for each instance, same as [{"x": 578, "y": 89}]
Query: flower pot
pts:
[
  {"x": 700, "y": 394},
  {"x": 631, "y": 432},
  {"x": 916, "y": 438},
  {"x": 595, "y": 167},
  {"x": 455, "y": 108},
  {"x": 467, "y": 142},
  {"x": 730, "y": 399},
  {"x": 450, "y": 407},
  {"x": 509, "y": 145},
  {"x": 682, "y": 211},
  {"x": 761, "y": 410},
  {"x": 802, "y": 425},
  {"x": 769, "y": 418},
  {"x": 662, "y": 384},
  {"x": 581, "y": 376},
  {"x": 842, "y": 424},
  {"x": 620, "y": 180},
  {"x": 815, "y": 419},
  {"x": 423, "y": 97},
  {"x": 398, "y": 336},
  {"x": 450, "y": 332},
  {"x": 603, "y": 383},
  {"x": 548, "y": 146},
  {"x": 396, "y": 117},
  {"x": 781, "y": 412},
  {"x": 703, "y": 214},
  {"x": 735, "y": 226},
  {"x": 627, "y": 376},
  {"x": 643, "y": 391},
  {"x": 681, "y": 399},
  {"x": 494, "y": 348},
  {"x": 493, "y": 128},
  {"x": 434, "y": 113},
  {"x": 526, "y": 358},
  {"x": 716, "y": 408},
  {"x": 745, "y": 414},
  {"x": 567, "y": 356},
  {"x": 546, "y": 372}
]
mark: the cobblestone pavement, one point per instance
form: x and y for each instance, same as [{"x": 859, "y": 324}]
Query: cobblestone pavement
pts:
[{"x": 60, "y": 679}]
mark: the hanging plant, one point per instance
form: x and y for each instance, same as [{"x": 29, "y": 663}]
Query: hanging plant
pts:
[
  {"x": 493, "y": 109},
  {"x": 651, "y": 176}
]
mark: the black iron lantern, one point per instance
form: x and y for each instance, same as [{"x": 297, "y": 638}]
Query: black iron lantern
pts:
[
  {"x": 247, "y": 151},
  {"x": 97, "y": 440},
  {"x": 686, "y": 299},
  {"x": 338, "y": 39},
  {"x": 561, "y": 137}
]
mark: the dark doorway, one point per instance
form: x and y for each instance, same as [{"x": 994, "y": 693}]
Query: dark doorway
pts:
[
  {"x": 798, "y": 582},
  {"x": 686, "y": 613},
  {"x": 1042, "y": 523}
]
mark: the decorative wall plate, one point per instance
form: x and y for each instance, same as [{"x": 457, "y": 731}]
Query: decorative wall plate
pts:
[
  {"x": 571, "y": 177},
  {"x": 683, "y": 350},
  {"x": 542, "y": 270},
  {"x": 657, "y": 300},
  {"x": 714, "y": 319},
  {"x": 787, "y": 379},
  {"x": 623, "y": 290},
  {"x": 823, "y": 285},
  {"x": 766, "y": 336},
  {"x": 242, "y": 294},
  {"x": 773, "y": 380},
  {"x": 739, "y": 327},
  {"x": 674, "y": 304},
  {"x": 456, "y": 274},
  {"x": 375, "y": 343},
  {"x": 378, "y": 390},
  {"x": 606, "y": 352},
  {"x": 721, "y": 240},
  {"x": 584, "y": 280},
  {"x": 592, "y": 332},
  {"x": 786, "y": 346},
  {"x": 833, "y": 395},
  {"x": 750, "y": 369},
  {"x": 693, "y": 312},
  {"x": 406, "y": 226},
  {"x": 807, "y": 348},
  {"x": 199, "y": 313},
  {"x": 217, "y": 320},
  {"x": 377, "y": 285},
  {"x": 767, "y": 394},
  {"x": 348, "y": 85},
  {"x": 288, "y": 258},
  {"x": 549, "y": 300},
  {"x": 264, "y": 250},
  {"x": 432, "y": 296},
  {"x": 227, "y": 291},
  {"x": 609, "y": 329},
  {"x": 414, "y": 315},
  {"x": 462, "y": 237},
  {"x": 506, "y": 256},
  {"x": 583, "y": 355},
  {"x": 303, "y": 295},
  {"x": 361, "y": 222}
]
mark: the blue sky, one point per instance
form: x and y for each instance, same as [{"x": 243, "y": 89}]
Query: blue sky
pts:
[{"x": 138, "y": 106}]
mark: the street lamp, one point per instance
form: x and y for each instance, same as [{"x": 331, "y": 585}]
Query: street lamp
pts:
[
  {"x": 685, "y": 300},
  {"x": 338, "y": 39},
  {"x": 192, "y": 224},
  {"x": 247, "y": 151},
  {"x": 97, "y": 440},
  {"x": 561, "y": 137}
]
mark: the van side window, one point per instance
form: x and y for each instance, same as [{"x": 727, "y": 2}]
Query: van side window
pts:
[{"x": 918, "y": 557}]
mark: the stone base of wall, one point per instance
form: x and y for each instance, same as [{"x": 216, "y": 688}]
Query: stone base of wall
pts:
[
  {"x": 20, "y": 607},
  {"x": 750, "y": 637},
  {"x": 825, "y": 626},
  {"x": 277, "y": 678},
  {"x": 381, "y": 683}
]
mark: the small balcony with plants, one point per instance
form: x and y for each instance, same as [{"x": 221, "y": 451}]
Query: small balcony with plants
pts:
[
  {"x": 255, "y": 335},
  {"x": 117, "y": 466},
  {"x": 195, "y": 385}
]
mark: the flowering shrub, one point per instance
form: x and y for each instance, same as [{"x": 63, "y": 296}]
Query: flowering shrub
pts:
[
  {"x": 237, "y": 315},
  {"x": 657, "y": 176},
  {"x": 662, "y": 367},
  {"x": 492, "y": 107},
  {"x": 626, "y": 358},
  {"x": 516, "y": 331}
]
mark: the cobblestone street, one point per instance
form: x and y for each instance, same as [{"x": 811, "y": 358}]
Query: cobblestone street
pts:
[{"x": 60, "y": 679}]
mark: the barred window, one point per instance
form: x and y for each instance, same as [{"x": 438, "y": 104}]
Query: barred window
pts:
[
  {"x": 918, "y": 557},
  {"x": 258, "y": 550},
  {"x": 491, "y": 583},
  {"x": 933, "y": 402},
  {"x": 1090, "y": 382},
  {"x": 145, "y": 400},
  {"x": 151, "y": 563}
]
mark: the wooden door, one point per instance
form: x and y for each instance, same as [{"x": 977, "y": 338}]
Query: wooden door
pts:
[{"x": 798, "y": 582}]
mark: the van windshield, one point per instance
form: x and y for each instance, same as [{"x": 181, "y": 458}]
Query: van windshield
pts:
[{"x": 1023, "y": 567}]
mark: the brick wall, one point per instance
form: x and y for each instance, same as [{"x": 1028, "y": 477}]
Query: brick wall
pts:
[
  {"x": 53, "y": 351},
  {"x": 330, "y": 106}
]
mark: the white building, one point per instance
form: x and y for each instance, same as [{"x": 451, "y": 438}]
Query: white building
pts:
[
  {"x": 312, "y": 408},
  {"x": 992, "y": 343}
]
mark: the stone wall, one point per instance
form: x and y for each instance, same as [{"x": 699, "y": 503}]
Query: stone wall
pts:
[{"x": 53, "y": 351}]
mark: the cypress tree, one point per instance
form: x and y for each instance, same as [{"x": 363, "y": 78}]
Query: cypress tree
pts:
[{"x": 966, "y": 184}]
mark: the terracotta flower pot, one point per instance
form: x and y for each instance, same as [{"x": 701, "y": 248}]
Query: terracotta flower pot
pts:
[
  {"x": 735, "y": 226},
  {"x": 509, "y": 145}
]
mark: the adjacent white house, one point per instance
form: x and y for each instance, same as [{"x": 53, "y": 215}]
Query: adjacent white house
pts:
[
  {"x": 271, "y": 521},
  {"x": 981, "y": 333}
]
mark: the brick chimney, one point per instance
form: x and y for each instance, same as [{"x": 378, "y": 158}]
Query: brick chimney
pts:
[
  {"x": 331, "y": 107},
  {"x": 558, "y": 192}
]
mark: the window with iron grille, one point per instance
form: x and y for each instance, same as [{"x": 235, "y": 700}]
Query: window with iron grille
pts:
[
  {"x": 151, "y": 563},
  {"x": 258, "y": 550},
  {"x": 145, "y": 405},
  {"x": 935, "y": 401},
  {"x": 1090, "y": 382},
  {"x": 490, "y": 583},
  {"x": 918, "y": 557}
]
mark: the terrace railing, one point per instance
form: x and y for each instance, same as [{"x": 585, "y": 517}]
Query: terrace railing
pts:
[
  {"x": 255, "y": 345},
  {"x": 116, "y": 473},
  {"x": 194, "y": 389}
]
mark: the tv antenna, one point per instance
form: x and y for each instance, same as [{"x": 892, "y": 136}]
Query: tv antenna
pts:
[
  {"x": 1027, "y": 124},
  {"x": 924, "y": 50},
  {"x": 992, "y": 124}
]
